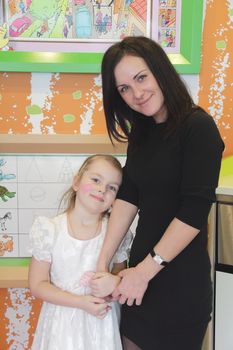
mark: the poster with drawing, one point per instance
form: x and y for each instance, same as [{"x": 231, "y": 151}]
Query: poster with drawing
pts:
[
  {"x": 31, "y": 186},
  {"x": 75, "y": 20}
]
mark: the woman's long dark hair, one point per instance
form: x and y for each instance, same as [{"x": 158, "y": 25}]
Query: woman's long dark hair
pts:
[{"x": 121, "y": 120}]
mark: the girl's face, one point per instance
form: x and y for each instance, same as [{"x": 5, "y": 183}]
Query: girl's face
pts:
[
  {"x": 97, "y": 188},
  {"x": 139, "y": 89}
]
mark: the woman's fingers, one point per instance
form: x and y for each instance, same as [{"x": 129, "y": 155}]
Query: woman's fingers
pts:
[{"x": 130, "y": 301}]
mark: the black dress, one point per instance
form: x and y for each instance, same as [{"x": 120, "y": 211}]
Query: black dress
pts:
[{"x": 167, "y": 178}]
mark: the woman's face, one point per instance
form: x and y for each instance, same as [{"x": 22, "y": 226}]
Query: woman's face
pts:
[{"x": 139, "y": 89}]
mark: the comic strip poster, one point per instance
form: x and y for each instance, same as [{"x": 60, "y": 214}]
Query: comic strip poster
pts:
[{"x": 168, "y": 31}]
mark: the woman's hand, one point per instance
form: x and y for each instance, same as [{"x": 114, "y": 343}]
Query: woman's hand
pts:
[
  {"x": 132, "y": 286},
  {"x": 94, "y": 306},
  {"x": 103, "y": 283}
]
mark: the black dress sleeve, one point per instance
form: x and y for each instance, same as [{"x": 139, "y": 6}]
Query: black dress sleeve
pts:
[
  {"x": 202, "y": 149},
  {"x": 128, "y": 190}
]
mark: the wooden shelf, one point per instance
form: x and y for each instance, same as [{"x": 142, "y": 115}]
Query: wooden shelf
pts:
[
  {"x": 75, "y": 144},
  {"x": 13, "y": 276}
]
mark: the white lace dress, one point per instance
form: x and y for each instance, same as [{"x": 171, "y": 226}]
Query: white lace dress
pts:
[{"x": 66, "y": 328}]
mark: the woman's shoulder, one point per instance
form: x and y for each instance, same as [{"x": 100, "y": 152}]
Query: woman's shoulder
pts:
[
  {"x": 199, "y": 123},
  {"x": 200, "y": 127},
  {"x": 199, "y": 117}
]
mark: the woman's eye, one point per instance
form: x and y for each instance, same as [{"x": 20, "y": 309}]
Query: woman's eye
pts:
[
  {"x": 96, "y": 180},
  {"x": 141, "y": 77},
  {"x": 123, "y": 89}
]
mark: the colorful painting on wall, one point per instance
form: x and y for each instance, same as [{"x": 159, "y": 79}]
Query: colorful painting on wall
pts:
[{"x": 74, "y": 20}]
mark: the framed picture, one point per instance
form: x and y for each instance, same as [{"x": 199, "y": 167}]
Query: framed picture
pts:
[
  {"x": 178, "y": 28},
  {"x": 35, "y": 51}
]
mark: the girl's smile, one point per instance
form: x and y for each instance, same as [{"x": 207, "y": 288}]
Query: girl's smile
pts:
[{"x": 97, "y": 188}]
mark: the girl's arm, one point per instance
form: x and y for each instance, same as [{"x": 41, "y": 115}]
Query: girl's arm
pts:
[
  {"x": 104, "y": 283},
  {"x": 122, "y": 216},
  {"x": 40, "y": 287}
]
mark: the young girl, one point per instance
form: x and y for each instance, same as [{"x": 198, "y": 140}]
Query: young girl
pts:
[{"x": 65, "y": 250}]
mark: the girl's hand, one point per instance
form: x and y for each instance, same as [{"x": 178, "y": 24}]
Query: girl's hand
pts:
[
  {"x": 131, "y": 288},
  {"x": 103, "y": 284},
  {"x": 94, "y": 306}
]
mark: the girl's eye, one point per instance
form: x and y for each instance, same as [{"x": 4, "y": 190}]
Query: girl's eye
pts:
[
  {"x": 113, "y": 189},
  {"x": 96, "y": 180}
]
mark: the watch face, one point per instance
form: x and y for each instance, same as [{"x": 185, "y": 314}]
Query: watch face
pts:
[{"x": 158, "y": 259}]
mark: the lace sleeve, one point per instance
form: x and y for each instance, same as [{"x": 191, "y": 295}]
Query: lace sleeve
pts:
[
  {"x": 41, "y": 237},
  {"x": 122, "y": 253}
]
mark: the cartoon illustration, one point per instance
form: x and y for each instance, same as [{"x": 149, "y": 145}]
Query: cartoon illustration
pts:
[
  {"x": 83, "y": 22},
  {"x": 76, "y": 19},
  {"x": 5, "y": 176},
  {"x": 6, "y": 244},
  {"x": 167, "y": 24},
  {"x": 19, "y": 25},
  {"x": 4, "y": 40},
  {"x": 7, "y": 216},
  {"x": 5, "y": 194}
]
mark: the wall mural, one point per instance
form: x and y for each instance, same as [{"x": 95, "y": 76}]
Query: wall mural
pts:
[
  {"x": 51, "y": 104},
  {"x": 216, "y": 88},
  {"x": 60, "y": 103},
  {"x": 76, "y": 19}
]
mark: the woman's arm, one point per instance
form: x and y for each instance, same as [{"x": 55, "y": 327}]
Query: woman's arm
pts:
[
  {"x": 135, "y": 280},
  {"x": 122, "y": 216},
  {"x": 40, "y": 287}
]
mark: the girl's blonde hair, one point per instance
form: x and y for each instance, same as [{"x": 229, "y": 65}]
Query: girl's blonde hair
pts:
[{"x": 67, "y": 202}]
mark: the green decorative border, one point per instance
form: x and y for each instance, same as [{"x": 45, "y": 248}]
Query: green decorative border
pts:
[
  {"x": 8, "y": 262},
  {"x": 187, "y": 61}
]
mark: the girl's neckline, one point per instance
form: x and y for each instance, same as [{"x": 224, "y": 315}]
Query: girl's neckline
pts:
[{"x": 73, "y": 236}]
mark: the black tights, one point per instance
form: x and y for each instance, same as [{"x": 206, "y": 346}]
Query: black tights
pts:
[
  {"x": 129, "y": 345},
  {"x": 184, "y": 339}
]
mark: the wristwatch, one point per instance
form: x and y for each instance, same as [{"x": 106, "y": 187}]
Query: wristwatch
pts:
[{"x": 157, "y": 258}]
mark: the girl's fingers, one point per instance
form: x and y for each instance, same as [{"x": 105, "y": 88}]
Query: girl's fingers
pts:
[
  {"x": 99, "y": 300},
  {"x": 104, "y": 312}
]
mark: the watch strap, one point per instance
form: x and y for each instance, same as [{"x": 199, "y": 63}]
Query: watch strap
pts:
[{"x": 158, "y": 258}]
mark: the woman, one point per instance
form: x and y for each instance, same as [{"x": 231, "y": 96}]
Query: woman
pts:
[{"x": 171, "y": 173}]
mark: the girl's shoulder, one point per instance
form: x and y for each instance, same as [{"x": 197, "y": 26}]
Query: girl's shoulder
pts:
[
  {"x": 48, "y": 222},
  {"x": 42, "y": 237},
  {"x": 48, "y": 226}
]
